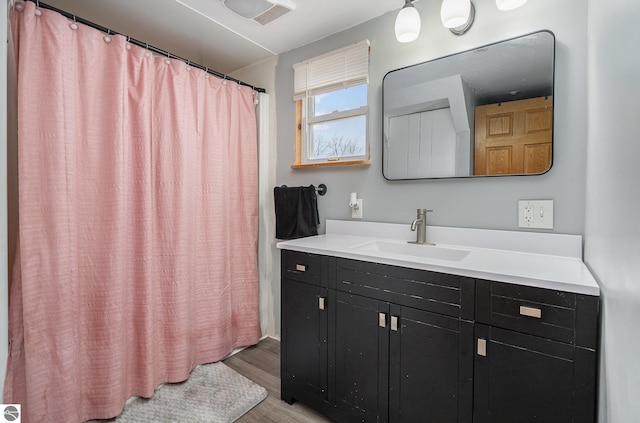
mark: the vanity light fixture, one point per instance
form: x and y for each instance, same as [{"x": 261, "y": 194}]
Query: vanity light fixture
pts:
[
  {"x": 457, "y": 15},
  {"x": 509, "y": 4},
  {"x": 407, "y": 23},
  {"x": 454, "y": 13}
]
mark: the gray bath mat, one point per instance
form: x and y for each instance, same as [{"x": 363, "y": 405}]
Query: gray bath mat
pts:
[{"x": 214, "y": 393}]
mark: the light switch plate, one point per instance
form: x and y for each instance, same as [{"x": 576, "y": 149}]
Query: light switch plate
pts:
[{"x": 535, "y": 214}]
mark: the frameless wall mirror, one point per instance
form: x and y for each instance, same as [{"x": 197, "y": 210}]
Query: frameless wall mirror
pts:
[{"x": 482, "y": 112}]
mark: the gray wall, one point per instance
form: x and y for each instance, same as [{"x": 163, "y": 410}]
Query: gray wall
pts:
[
  {"x": 489, "y": 203},
  {"x": 479, "y": 203},
  {"x": 612, "y": 231}
]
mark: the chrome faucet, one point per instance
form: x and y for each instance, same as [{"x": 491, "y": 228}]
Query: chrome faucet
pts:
[{"x": 419, "y": 224}]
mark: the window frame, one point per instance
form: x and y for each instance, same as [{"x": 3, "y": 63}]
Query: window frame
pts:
[{"x": 305, "y": 103}]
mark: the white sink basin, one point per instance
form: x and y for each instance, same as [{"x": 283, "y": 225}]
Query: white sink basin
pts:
[{"x": 414, "y": 250}]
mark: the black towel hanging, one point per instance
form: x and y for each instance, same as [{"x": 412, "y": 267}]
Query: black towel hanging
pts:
[{"x": 296, "y": 212}]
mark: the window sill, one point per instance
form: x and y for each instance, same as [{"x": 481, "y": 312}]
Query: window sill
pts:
[{"x": 329, "y": 164}]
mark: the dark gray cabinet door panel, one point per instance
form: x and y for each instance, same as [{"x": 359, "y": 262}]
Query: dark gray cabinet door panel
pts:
[
  {"x": 304, "y": 347},
  {"x": 431, "y": 368},
  {"x": 526, "y": 379},
  {"x": 361, "y": 358}
]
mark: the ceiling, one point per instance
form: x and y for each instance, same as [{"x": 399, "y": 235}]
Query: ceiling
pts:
[{"x": 208, "y": 33}]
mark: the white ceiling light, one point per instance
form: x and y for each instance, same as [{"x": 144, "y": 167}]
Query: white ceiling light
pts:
[
  {"x": 455, "y": 13},
  {"x": 407, "y": 23},
  {"x": 261, "y": 11},
  {"x": 509, "y": 4}
]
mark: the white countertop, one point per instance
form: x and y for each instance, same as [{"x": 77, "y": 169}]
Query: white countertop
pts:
[{"x": 552, "y": 261}]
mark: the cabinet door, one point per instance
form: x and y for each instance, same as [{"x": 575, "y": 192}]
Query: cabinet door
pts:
[
  {"x": 304, "y": 341},
  {"x": 431, "y": 367},
  {"x": 523, "y": 378},
  {"x": 361, "y": 358}
]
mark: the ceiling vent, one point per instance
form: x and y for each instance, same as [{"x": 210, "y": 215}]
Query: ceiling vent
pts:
[{"x": 260, "y": 11}]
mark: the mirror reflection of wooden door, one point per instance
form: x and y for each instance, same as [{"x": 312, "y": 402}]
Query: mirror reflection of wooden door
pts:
[{"x": 514, "y": 137}]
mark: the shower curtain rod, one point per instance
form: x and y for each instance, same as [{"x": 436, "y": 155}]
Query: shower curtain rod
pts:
[{"x": 144, "y": 45}]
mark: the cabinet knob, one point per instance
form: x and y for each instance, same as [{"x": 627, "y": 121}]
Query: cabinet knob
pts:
[
  {"x": 531, "y": 312},
  {"x": 301, "y": 267}
]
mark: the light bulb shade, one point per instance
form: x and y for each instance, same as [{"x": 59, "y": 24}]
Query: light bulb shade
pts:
[
  {"x": 509, "y": 4},
  {"x": 407, "y": 24},
  {"x": 455, "y": 13}
]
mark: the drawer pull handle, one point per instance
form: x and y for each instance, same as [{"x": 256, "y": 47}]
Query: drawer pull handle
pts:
[
  {"x": 382, "y": 320},
  {"x": 482, "y": 347},
  {"x": 531, "y": 312},
  {"x": 301, "y": 267},
  {"x": 394, "y": 323},
  {"x": 321, "y": 301}
]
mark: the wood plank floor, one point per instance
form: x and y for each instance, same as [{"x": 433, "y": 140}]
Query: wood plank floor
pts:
[{"x": 261, "y": 363}]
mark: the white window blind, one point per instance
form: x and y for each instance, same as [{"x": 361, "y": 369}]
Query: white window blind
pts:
[{"x": 343, "y": 68}]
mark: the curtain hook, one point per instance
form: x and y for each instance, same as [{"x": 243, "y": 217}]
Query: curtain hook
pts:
[
  {"x": 73, "y": 24},
  {"x": 167, "y": 60},
  {"x": 107, "y": 38},
  {"x": 38, "y": 12}
]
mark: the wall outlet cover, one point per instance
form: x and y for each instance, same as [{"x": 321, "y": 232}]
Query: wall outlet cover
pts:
[
  {"x": 356, "y": 213},
  {"x": 535, "y": 214}
]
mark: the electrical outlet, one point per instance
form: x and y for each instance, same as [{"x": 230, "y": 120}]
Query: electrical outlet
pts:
[
  {"x": 528, "y": 213},
  {"x": 535, "y": 214},
  {"x": 356, "y": 212}
]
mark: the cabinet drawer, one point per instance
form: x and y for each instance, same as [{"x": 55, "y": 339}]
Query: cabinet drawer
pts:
[
  {"x": 424, "y": 290},
  {"x": 557, "y": 315},
  {"x": 303, "y": 267}
]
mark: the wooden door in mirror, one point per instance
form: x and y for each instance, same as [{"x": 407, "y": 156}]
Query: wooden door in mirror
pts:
[{"x": 514, "y": 138}]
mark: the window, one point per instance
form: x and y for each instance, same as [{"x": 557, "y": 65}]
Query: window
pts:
[{"x": 332, "y": 110}]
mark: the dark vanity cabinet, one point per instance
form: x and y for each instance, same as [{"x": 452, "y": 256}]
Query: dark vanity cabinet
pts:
[
  {"x": 368, "y": 342},
  {"x": 536, "y": 357},
  {"x": 392, "y": 344}
]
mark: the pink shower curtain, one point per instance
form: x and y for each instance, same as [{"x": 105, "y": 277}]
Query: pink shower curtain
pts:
[{"x": 137, "y": 255}]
